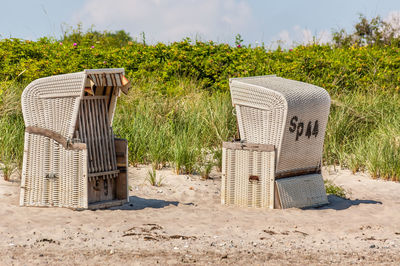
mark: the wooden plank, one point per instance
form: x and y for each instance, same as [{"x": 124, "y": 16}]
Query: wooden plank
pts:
[
  {"x": 105, "y": 190},
  {"x": 55, "y": 136},
  {"x": 113, "y": 156},
  {"x": 105, "y": 134},
  {"x": 93, "y": 191},
  {"x": 121, "y": 155},
  {"x": 113, "y": 80},
  {"x": 121, "y": 151},
  {"x": 102, "y": 188},
  {"x": 85, "y": 131},
  {"x": 108, "y": 91},
  {"x": 109, "y": 81},
  {"x": 111, "y": 95},
  {"x": 94, "y": 97},
  {"x": 248, "y": 146},
  {"x": 100, "y": 118},
  {"x": 296, "y": 172},
  {"x": 99, "y": 91},
  {"x": 104, "y": 173},
  {"x": 106, "y": 204},
  {"x": 89, "y": 127},
  {"x": 85, "y": 123},
  {"x": 277, "y": 201},
  {"x": 94, "y": 135},
  {"x": 110, "y": 140},
  {"x": 99, "y": 135}
]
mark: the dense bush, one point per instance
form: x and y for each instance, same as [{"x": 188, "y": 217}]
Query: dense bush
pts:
[
  {"x": 340, "y": 70},
  {"x": 179, "y": 110}
]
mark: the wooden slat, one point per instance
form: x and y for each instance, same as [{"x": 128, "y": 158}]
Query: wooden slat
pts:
[
  {"x": 88, "y": 98},
  {"x": 110, "y": 139},
  {"x": 92, "y": 136},
  {"x": 100, "y": 119},
  {"x": 99, "y": 91},
  {"x": 111, "y": 95},
  {"x": 108, "y": 91},
  {"x": 86, "y": 119},
  {"x": 97, "y": 149},
  {"x": 104, "y": 127},
  {"x": 296, "y": 172},
  {"x": 114, "y": 161},
  {"x": 248, "y": 146},
  {"x": 104, "y": 173},
  {"x": 121, "y": 152},
  {"x": 85, "y": 129},
  {"x": 99, "y": 136},
  {"x": 106, "y": 204}
]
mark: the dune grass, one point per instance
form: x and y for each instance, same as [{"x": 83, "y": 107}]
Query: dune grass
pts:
[
  {"x": 182, "y": 130},
  {"x": 183, "y": 127},
  {"x": 11, "y": 128},
  {"x": 363, "y": 134}
]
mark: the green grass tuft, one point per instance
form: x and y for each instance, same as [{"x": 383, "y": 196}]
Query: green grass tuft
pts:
[
  {"x": 153, "y": 179},
  {"x": 332, "y": 189}
]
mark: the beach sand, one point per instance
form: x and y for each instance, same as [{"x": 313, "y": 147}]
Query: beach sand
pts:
[{"x": 183, "y": 222}]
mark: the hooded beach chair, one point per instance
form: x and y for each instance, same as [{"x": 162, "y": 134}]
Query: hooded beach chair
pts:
[
  {"x": 71, "y": 156},
  {"x": 289, "y": 118}
]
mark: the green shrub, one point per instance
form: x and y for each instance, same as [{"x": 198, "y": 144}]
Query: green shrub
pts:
[{"x": 179, "y": 110}]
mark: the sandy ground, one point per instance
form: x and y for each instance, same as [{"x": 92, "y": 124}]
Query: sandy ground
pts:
[{"x": 183, "y": 222}]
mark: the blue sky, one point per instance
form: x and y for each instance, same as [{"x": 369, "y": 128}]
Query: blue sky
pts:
[{"x": 292, "y": 21}]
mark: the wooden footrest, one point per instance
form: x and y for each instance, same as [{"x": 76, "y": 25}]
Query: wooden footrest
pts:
[{"x": 106, "y": 204}]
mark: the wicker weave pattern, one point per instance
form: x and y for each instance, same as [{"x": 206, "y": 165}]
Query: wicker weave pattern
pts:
[
  {"x": 238, "y": 166},
  {"x": 302, "y": 191},
  {"x": 54, "y": 175},
  {"x": 265, "y": 108},
  {"x": 261, "y": 121},
  {"x": 52, "y": 103}
]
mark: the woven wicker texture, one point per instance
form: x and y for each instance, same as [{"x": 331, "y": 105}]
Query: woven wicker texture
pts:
[
  {"x": 301, "y": 191},
  {"x": 289, "y": 114},
  {"x": 52, "y": 103},
  {"x": 53, "y": 176},
  {"x": 57, "y": 175},
  {"x": 247, "y": 178}
]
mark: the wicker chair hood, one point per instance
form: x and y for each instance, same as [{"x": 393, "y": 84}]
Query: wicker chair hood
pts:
[
  {"x": 288, "y": 114},
  {"x": 53, "y": 102}
]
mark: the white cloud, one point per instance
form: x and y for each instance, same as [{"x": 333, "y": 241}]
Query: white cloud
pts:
[
  {"x": 168, "y": 20},
  {"x": 284, "y": 37},
  {"x": 298, "y": 35},
  {"x": 393, "y": 19},
  {"x": 324, "y": 36}
]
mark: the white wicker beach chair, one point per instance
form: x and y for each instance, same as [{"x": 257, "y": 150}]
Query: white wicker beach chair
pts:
[
  {"x": 71, "y": 157},
  {"x": 291, "y": 116}
]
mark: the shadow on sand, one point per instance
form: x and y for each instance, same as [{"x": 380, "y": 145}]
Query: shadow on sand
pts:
[
  {"x": 338, "y": 203},
  {"x": 137, "y": 203}
]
